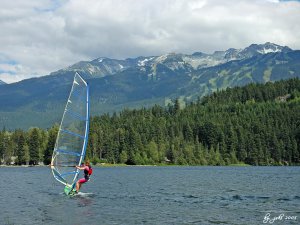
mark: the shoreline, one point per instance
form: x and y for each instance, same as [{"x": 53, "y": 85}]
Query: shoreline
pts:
[
  {"x": 155, "y": 165},
  {"x": 23, "y": 166}
]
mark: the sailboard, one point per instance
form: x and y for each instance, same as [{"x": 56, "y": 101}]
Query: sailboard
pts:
[{"x": 72, "y": 137}]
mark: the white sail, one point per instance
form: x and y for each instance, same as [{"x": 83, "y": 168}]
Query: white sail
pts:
[{"x": 72, "y": 138}]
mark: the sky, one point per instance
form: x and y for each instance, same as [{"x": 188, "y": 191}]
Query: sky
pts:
[{"x": 42, "y": 36}]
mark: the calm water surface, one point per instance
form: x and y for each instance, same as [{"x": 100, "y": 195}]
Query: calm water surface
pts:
[{"x": 154, "y": 195}]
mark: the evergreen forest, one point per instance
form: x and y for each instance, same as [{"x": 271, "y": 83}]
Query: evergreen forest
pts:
[{"x": 258, "y": 124}]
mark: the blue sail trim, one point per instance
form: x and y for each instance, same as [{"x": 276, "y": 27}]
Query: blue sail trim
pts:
[
  {"x": 58, "y": 176},
  {"x": 72, "y": 133},
  {"x": 87, "y": 119},
  {"x": 69, "y": 173},
  {"x": 76, "y": 115},
  {"x": 68, "y": 152}
]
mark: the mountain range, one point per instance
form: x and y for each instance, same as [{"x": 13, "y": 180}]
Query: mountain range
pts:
[{"x": 144, "y": 81}]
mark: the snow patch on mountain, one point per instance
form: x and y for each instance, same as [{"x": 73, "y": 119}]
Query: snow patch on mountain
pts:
[
  {"x": 162, "y": 58},
  {"x": 144, "y": 61},
  {"x": 268, "y": 50}
]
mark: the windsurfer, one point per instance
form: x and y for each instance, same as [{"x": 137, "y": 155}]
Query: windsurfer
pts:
[{"x": 87, "y": 169}]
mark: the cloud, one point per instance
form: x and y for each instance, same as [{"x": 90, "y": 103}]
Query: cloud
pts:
[{"x": 40, "y": 37}]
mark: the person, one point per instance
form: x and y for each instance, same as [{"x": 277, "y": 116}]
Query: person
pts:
[{"x": 87, "y": 169}]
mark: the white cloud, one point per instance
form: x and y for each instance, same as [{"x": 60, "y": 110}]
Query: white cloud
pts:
[{"x": 43, "y": 36}]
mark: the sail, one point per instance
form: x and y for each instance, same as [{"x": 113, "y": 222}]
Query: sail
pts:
[{"x": 72, "y": 138}]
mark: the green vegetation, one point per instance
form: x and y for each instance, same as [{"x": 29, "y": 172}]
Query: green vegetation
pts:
[
  {"x": 40, "y": 101},
  {"x": 256, "y": 125}
]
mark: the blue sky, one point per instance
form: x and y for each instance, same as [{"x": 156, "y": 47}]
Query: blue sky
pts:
[{"x": 42, "y": 36}]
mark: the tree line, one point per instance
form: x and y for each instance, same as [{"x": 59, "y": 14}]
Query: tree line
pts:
[{"x": 258, "y": 124}]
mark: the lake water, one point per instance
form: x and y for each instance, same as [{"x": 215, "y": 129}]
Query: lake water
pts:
[{"x": 154, "y": 195}]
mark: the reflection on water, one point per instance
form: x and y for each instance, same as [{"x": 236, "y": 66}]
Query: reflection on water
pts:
[{"x": 153, "y": 195}]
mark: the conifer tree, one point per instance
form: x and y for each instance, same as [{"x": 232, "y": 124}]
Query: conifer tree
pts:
[
  {"x": 52, "y": 134},
  {"x": 34, "y": 146},
  {"x": 20, "y": 151}
]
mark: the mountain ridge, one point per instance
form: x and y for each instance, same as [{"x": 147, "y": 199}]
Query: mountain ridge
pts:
[
  {"x": 104, "y": 66},
  {"x": 144, "y": 81}
]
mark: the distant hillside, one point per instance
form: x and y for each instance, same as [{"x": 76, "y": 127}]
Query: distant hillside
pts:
[
  {"x": 258, "y": 124},
  {"x": 144, "y": 81},
  {"x": 2, "y": 82}
]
